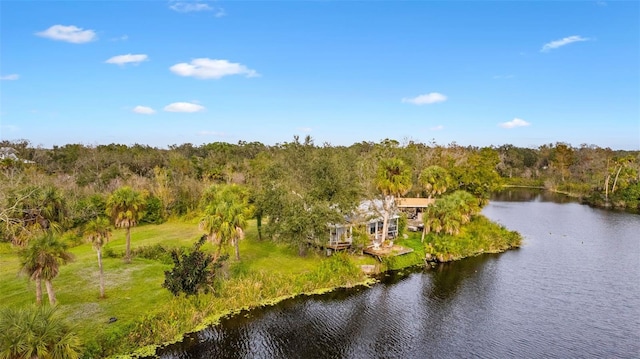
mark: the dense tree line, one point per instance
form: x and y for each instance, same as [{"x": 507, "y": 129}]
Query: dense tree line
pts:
[{"x": 298, "y": 186}]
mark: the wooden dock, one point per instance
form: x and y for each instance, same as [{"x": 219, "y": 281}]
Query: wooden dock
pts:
[{"x": 383, "y": 251}]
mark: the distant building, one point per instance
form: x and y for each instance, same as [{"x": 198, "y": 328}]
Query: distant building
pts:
[{"x": 8, "y": 153}]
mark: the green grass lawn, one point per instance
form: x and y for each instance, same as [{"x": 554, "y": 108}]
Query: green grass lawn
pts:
[{"x": 147, "y": 313}]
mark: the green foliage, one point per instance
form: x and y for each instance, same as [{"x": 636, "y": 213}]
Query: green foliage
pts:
[
  {"x": 449, "y": 213},
  {"x": 153, "y": 211},
  {"x": 192, "y": 271},
  {"x": 402, "y": 224},
  {"x": 477, "y": 237},
  {"x": 36, "y": 332},
  {"x": 156, "y": 252},
  {"x": 338, "y": 267},
  {"x": 435, "y": 180},
  {"x": 126, "y": 207},
  {"x": 226, "y": 211},
  {"x": 393, "y": 177}
]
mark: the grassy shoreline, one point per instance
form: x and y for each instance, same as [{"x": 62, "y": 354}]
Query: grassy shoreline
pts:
[{"x": 148, "y": 316}]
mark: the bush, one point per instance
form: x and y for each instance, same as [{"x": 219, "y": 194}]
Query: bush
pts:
[
  {"x": 155, "y": 252},
  {"x": 36, "y": 332},
  {"x": 192, "y": 271}
]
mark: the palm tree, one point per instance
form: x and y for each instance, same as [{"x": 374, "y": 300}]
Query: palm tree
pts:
[
  {"x": 36, "y": 332},
  {"x": 225, "y": 217},
  {"x": 435, "y": 181},
  {"x": 126, "y": 207},
  {"x": 41, "y": 260},
  {"x": 98, "y": 232},
  {"x": 393, "y": 179}
]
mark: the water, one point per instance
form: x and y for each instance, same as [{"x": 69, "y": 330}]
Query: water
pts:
[{"x": 571, "y": 291}]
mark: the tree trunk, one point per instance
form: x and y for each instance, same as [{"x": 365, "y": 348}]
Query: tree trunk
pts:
[
  {"x": 38, "y": 291},
  {"x": 615, "y": 181},
  {"x": 101, "y": 273},
  {"x": 50, "y": 293},
  {"x": 385, "y": 222},
  {"x": 606, "y": 188},
  {"x": 236, "y": 245},
  {"x": 424, "y": 231},
  {"x": 127, "y": 256},
  {"x": 259, "y": 223}
]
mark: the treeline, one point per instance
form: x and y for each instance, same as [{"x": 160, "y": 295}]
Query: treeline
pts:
[{"x": 298, "y": 183}]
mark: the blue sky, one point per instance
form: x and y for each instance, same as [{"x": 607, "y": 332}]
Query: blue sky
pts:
[{"x": 171, "y": 72}]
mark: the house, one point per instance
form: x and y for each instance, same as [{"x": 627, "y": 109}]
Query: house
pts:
[
  {"x": 8, "y": 153},
  {"x": 369, "y": 214}
]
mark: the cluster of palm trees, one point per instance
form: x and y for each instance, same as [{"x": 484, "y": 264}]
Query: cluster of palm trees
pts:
[
  {"x": 42, "y": 257},
  {"x": 226, "y": 210}
]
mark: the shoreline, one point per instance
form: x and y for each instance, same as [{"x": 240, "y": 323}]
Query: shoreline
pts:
[{"x": 149, "y": 351}]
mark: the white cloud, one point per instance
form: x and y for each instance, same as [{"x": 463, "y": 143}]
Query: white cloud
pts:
[
  {"x": 183, "y": 107},
  {"x": 437, "y": 128},
  {"x": 127, "y": 59},
  {"x": 220, "y": 12},
  {"x": 72, "y": 34},
  {"x": 190, "y": 6},
  {"x": 516, "y": 122},
  {"x": 305, "y": 129},
  {"x": 144, "y": 110},
  {"x": 426, "y": 99},
  {"x": 121, "y": 38},
  {"x": 204, "y": 68},
  {"x": 562, "y": 42},
  {"x": 11, "y": 77}
]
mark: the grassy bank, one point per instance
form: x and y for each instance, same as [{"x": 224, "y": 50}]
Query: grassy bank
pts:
[{"x": 148, "y": 314}]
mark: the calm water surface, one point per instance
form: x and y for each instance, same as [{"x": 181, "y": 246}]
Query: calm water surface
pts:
[{"x": 571, "y": 291}]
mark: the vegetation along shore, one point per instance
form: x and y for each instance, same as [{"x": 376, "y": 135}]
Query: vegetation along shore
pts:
[{"x": 120, "y": 248}]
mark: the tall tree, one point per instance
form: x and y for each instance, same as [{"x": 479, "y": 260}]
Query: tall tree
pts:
[
  {"x": 225, "y": 216},
  {"x": 41, "y": 261},
  {"x": 393, "y": 179},
  {"x": 435, "y": 180},
  {"x": 126, "y": 208},
  {"x": 98, "y": 232}
]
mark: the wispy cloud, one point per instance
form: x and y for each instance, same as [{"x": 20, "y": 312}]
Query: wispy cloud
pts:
[
  {"x": 183, "y": 107},
  {"x": 426, "y": 99},
  {"x": 205, "y": 68},
  {"x": 437, "y": 128},
  {"x": 144, "y": 110},
  {"x": 196, "y": 6},
  {"x": 121, "y": 38},
  {"x": 72, "y": 34},
  {"x": 601, "y": 3},
  {"x": 305, "y": 129},
  {"x": 516, "y": 122},
  {"x": 562, "y": 42},
  {"x": 11, "y": 77},
  {"x": 127, "y": 59}
]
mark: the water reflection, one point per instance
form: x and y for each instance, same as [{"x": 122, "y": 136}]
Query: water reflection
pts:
[{"x": 530, "y": 195}]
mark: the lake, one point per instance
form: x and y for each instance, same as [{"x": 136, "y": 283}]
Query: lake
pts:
[{"x": 571, "y": 291}]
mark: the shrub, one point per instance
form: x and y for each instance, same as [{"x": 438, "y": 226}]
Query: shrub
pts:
[{"x": 192, "y": 271}]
